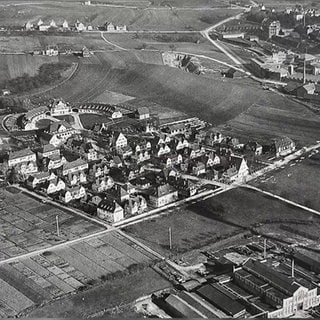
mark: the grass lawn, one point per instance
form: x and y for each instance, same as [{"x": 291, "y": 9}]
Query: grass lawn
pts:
[
  {"x": 245, "y": 208},
  {"x": 190, "y": 230},
  {"x": 298, "y": 182},
  {"x": 111, "y": 294},
  {"x": 89, "y": 120}
]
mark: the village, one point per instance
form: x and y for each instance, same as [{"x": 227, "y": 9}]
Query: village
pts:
[{"x": 129, "y": 164}]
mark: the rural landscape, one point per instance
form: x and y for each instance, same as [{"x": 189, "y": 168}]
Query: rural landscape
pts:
[{"x": 159, "y": 159}]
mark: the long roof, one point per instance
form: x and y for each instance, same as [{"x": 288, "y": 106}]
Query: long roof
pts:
[{"x": 20, "y": 154}]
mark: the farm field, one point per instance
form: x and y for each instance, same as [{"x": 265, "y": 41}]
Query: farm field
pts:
[
  {"x": 297, "y": 182},
  {"x": 136, "y": 18},
  {"x": 53, "y": 274},
  {"x": 29, "y": 42},
  {"x": 27, "y": 225},
  {"x": 190, "y": 230},
  {"x": 107, "y": 296},
  {"x": 241, "y": 109},
  {"x": 13, "y": 66},
  {"x": 262, "y": 123}
]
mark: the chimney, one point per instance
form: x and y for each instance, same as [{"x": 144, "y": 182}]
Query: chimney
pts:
[
  {"x": 265, "y": 249},
  {"x": 292, "y": 268}
]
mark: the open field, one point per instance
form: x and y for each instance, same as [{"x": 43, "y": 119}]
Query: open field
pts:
[
  {"x": 13, "y": 66},
  {"x": 262, "y": 123},
  {"x": 245, "y": 208},
  {"x": 136, "y": 18},
  {"x": 248, "y": 110},
  {"x": 190, "y": 230},
  {"x": 27, "y": 224},
  {"x": 113, "y": 293},
  {"x": 54, "y": 274},
  {"x": 297, "y": 182},
  {"x": 30, "y": 42}
]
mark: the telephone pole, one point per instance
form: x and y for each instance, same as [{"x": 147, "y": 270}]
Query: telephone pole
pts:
[
  {"x": 57, "y": 223},
  {"x": 170, "y": 238}
]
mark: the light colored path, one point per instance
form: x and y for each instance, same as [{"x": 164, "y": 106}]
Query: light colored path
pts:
[
  {"x": 111, "y": 43},
  {"x": 272, "y": 195}
]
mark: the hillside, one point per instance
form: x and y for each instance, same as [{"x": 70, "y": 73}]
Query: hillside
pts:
[{"x": 217, "y": 101}]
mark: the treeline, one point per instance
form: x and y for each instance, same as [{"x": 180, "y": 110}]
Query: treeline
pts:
[{"x": 48, "y": 73}]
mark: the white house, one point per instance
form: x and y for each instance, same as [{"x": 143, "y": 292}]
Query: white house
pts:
[
  {"x": 110, "y": 211},
  {"x": 24, "y": 155}
]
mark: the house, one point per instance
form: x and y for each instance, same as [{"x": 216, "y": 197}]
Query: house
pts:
[
  {"x": 116, "y": 114},
  {"x": 163, "y": 195},
  {"x": 85, "y": 52},
  {"x": 72, "y": 193},
  {"x": 48, "y": 150},
  {"x": 65, "y": 25},
  {"x": 59, "y": 107},
  {"x": 54, "y": 186},
  {"x": 53, "y": 162},
  {"x": 35, "y": 179},
  {"x": 73, "y": 167},
  {"x": 135, "y": 205},
  {"x": 77, "y": 178},
  {"x": 51, "y": 51},
  {"x": 109, "y": 26},
  {"x": 237, "y": 171},
  {"x": 118, "y": 193},
  {"x": 283, "y": 146},
  {"x": 58, "y": 133},
  {"x": 254, "y": 147},
  {"x": 186, "y": 188},
  {"x": 21, "y": 156},
  {"x": 79, "y": 26},
  {"x": 119, "y": 140},
  {"x": 121, "y": 28},
  {"x": 29, "y": 26},
  {"x": 305, "y": 90},
  {"x": 53, "y": 24},
  {"x": 198, "y": 168},
  {"x": 142, "y": 113},
  {"x": 110, "y": 211},
  {"x": 102, "y": 184}
]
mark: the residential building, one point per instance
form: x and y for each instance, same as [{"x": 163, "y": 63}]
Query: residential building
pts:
[
  {"x": 72, "y": 193},
  {"x": 142, "y": 113},
  {"x": 120, "y": 141},
  {"x": 110, "y": 211},
  {"x": 21, "y": 156},
  {"x": 238, "y": 169},
  {"x": 73, "y": 167},
  {"x": 37, "y": 178},
  {"x": 163, "y": 195},
  {"x": 48, "y": 151},
  {"x": 54, "y": 186},
  {"x": 79, "y": 26},
  {"x": 65, "y": 25},
  {"x": 283, "y": 146},
  {"x": 51, "y": 51},
  {"x": 58, "y": 132},
  {"x": 59, "y": 107}
]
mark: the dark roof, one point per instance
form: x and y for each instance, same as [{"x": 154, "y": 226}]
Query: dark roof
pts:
[
  {"x": 20, "y": 154},
  {"x": 54, "y": 126},
  {"x": 142, "y": 110},
  {"x": 108, "y": 205},
  {"x": 163, "y": 190},
  {"x": 48, "y": 147},
  {"x": 281, "y": 142},
  {"x": 221, "y": 300},
  {"x": 273, "y": 277},
  {"x": 180, "y": 308}
]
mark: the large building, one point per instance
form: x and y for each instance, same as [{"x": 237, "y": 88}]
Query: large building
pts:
[{"x": 284, "y": 293}]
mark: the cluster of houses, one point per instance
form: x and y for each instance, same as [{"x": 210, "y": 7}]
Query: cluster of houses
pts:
[
  {"x": 65, "y": 26},
  {"x": 115, "y": 174}
]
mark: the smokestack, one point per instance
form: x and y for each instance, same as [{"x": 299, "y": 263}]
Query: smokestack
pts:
[
  {"x": 292, "y": 268},
  {"x": 265, "y": 249}
]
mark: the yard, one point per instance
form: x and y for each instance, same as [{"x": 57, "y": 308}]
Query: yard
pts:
[{"x": 89, "y": 120}]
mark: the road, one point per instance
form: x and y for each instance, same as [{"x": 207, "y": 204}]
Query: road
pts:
[{"x": 111, "y": 43}]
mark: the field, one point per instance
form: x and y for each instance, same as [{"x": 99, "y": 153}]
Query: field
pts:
[
  {"x": 297, "y": 182},
  {"x": 28, "y": 42},
  {"x": 13, "y": 66},
  {"x": 190, "y": 230},
  {"x": 27, "y": 224},
  {"x": 241, "y": 108},
  {"x": 136, "y": 18},
  {"x": 113, "y": 293},
  {"x": 53, "y": 274}
]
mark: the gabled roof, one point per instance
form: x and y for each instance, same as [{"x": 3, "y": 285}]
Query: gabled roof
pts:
[
  {"x": 20, "y": 154},
  {"x": 281, "y": 142},
  {"x": 109, "y": 206},
  {"x": 48, "y": 147},
  {"x": 236, "y": 161},
  {"x": 74, "y": 164},
  {"x": 143, "y": 111},
  {"x": 162, "y": 190},
  {"x": 54, "y": 127}
]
